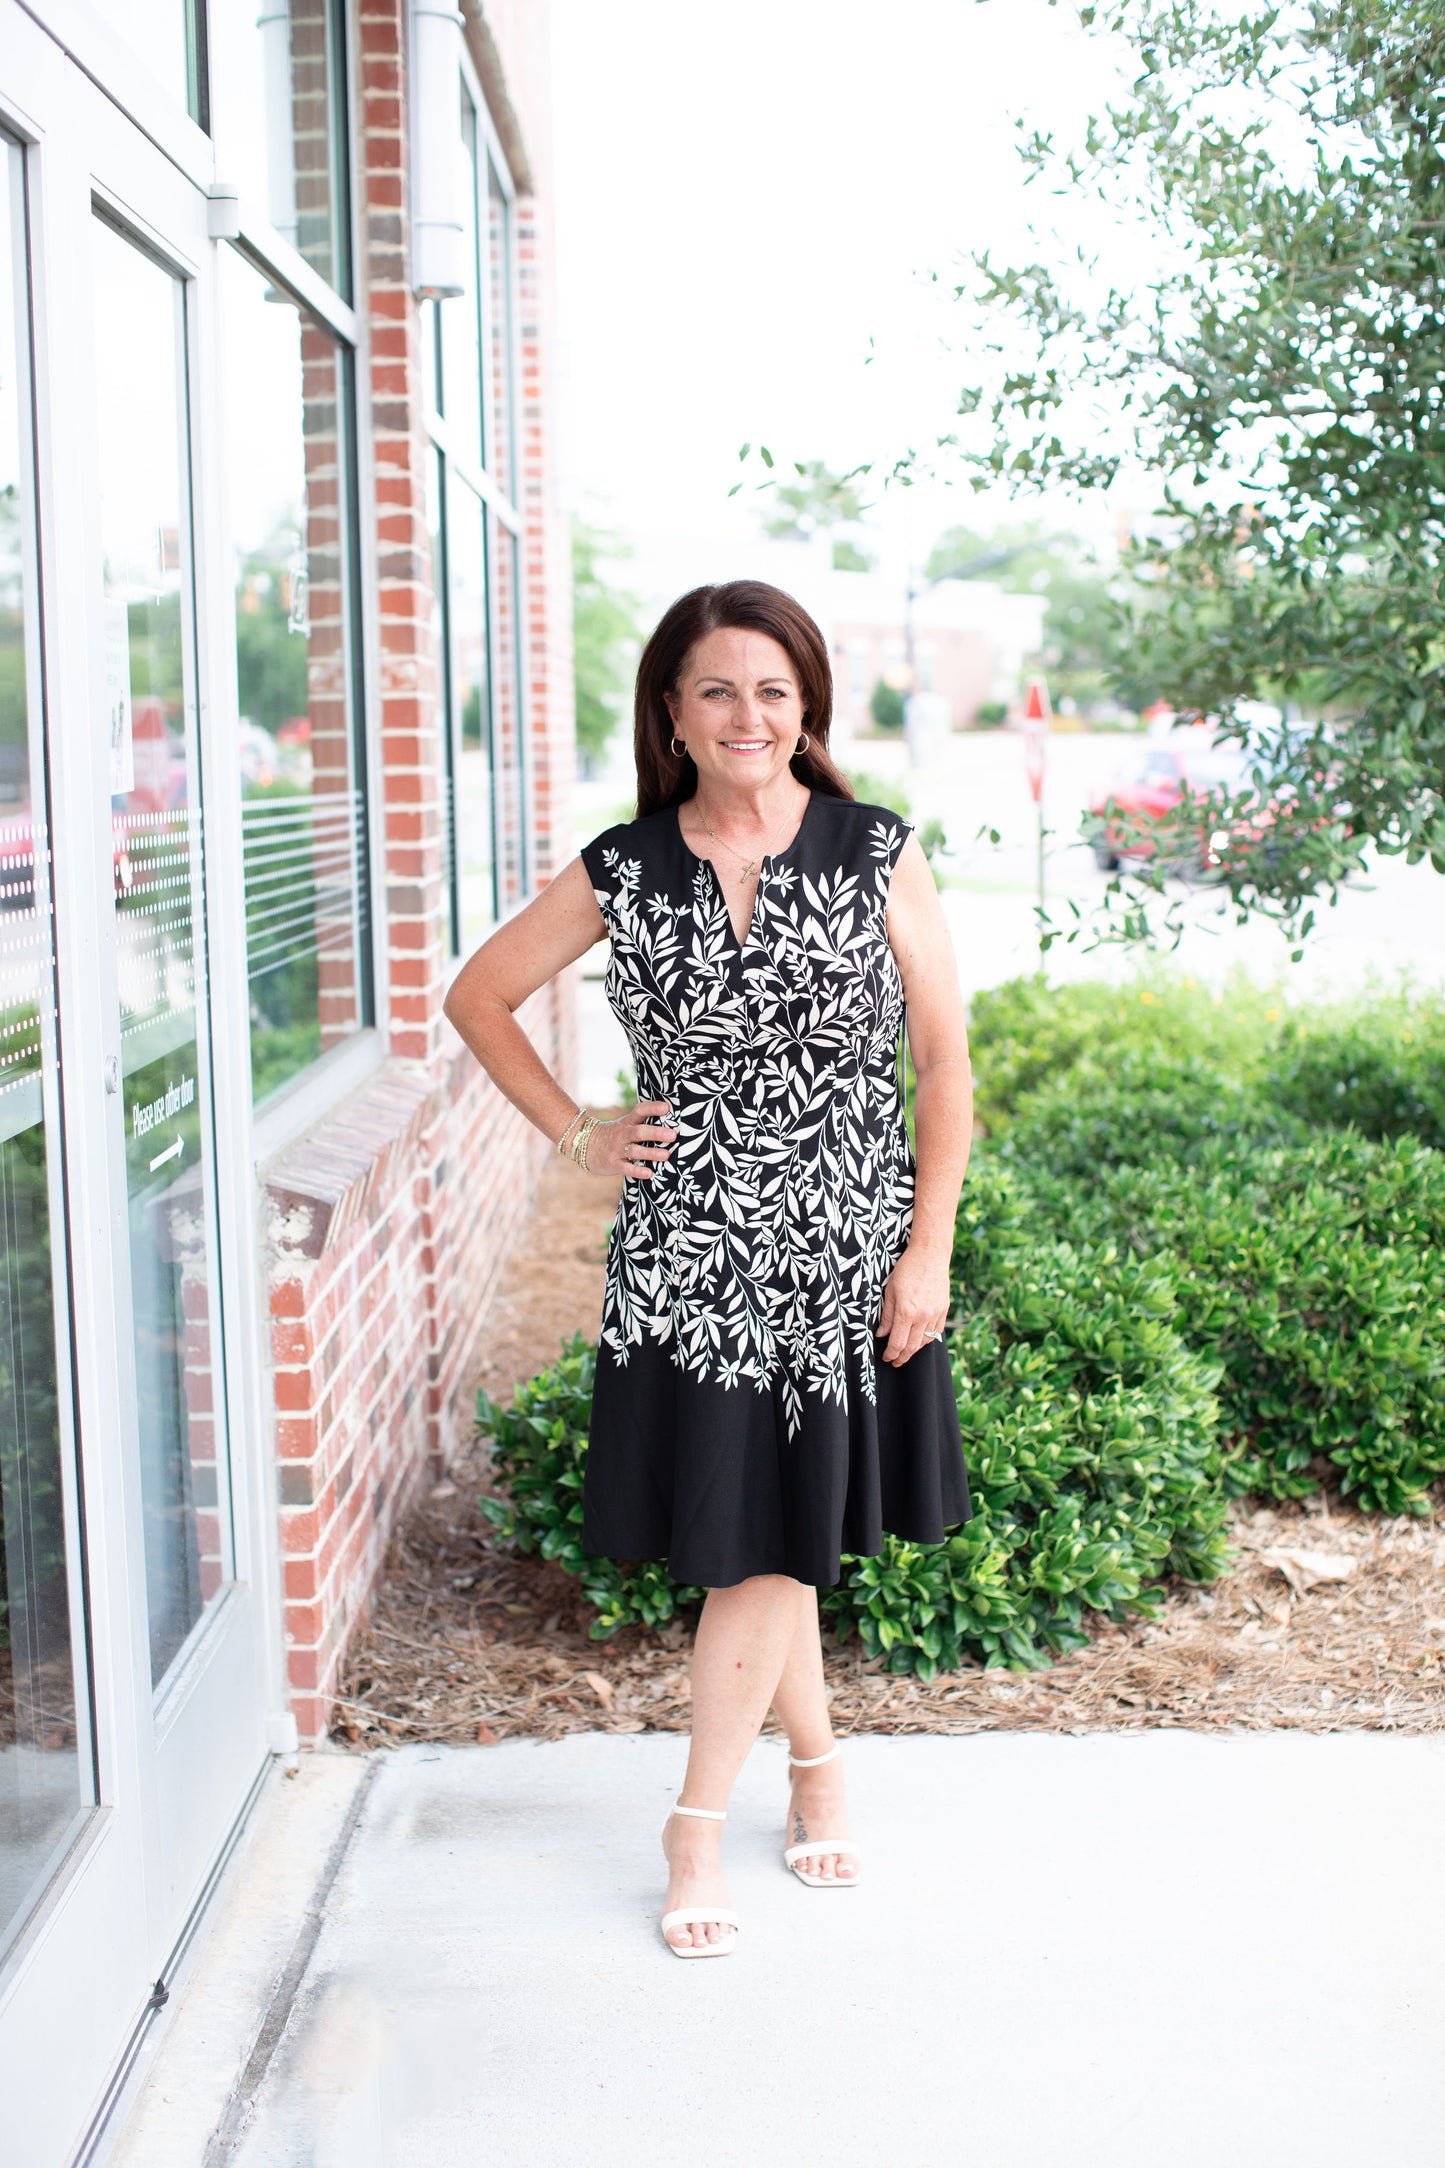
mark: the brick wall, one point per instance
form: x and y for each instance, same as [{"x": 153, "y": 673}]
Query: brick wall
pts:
[{"x": 389, "y": 1225}]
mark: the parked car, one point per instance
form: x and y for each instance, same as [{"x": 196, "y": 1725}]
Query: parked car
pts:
[{"x": 1184, "y": 761}]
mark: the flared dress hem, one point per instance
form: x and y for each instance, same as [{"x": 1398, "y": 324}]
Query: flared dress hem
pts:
[{"x": 709, "y": 1478}]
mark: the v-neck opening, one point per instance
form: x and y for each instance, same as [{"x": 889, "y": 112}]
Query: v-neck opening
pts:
[{"x": 743, "y": 944}]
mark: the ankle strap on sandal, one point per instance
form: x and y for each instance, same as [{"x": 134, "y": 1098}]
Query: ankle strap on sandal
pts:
[
  {"x": 704, "y": 1814},
  {"x": 818, "y": 1759}
]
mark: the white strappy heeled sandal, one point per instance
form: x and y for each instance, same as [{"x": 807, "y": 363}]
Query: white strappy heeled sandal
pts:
[
  {"x": 821, "y": 1845},
  {"x": 701, "y": 1915}
]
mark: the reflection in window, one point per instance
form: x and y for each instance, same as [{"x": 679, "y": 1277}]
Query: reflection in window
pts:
[
  {"x": 460, "y": 315},
  {"x": 508, "y": 748},
  {"x": 164, "y": 34},
  {"x": 42, "y": 1775},
  {"x": 278, "y": 101},
  {"x": 160, "y": 932},
  {"x": 467, "y": 358},
  {"x": 467, "y": 677},
  {"x": 303, "y": 817},
  {"x": 500, "y": 448}
]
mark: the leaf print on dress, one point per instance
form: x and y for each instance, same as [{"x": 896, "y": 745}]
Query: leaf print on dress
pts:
[{"x": 759, "y": 1252}]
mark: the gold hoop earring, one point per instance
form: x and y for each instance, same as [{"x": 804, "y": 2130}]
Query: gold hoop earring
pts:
[
  {"x": 803, "y": 743},
  {"x": 679, "y": 752}
]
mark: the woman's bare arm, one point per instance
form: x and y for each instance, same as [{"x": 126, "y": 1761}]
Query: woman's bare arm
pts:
[
  {"x": 554, "y": 930},
  {"x": 916, "y": 1300}
]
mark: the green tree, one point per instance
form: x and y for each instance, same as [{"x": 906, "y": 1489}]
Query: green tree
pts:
[
  {"x": 848, "y": 557},
  {"x": 817, "y": 501},
  {"x": 1279, "y": 377},
  {"x": 271, "y": 650},
  {"x": 605, "y": 638}
]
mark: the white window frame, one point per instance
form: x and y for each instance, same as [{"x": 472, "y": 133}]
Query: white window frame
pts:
[
  {"x": 305, "y": 1099},
  {"x": 482, "y": 482}
]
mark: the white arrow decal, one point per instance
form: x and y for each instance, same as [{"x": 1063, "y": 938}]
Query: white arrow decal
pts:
[{"x": 172, "y": 1151}]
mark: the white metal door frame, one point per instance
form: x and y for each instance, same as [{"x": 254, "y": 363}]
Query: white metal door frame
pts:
[{"x": 170, "y": 1778}]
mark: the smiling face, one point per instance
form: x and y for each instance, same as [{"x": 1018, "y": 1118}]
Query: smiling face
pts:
[{"x": 738, "y": 707}]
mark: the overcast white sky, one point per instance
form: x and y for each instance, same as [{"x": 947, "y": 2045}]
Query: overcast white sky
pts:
[{"x": 746, "y": 196}]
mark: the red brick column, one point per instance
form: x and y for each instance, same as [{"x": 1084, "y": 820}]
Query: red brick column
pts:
[{"x": 410, "y": 789}]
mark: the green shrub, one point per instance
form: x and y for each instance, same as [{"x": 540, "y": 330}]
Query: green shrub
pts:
[
  {"x": 1027, "y": 1035},
  {"x": 1313, "y": 1274},
  {"x": 1307, "y": 1258},
  {"x": 1377, "y": 1063},
  {"x": 1147, "y": 1106},
  {"x": 870, "y": 789},
  {"x": 539, "y": 1449},
  {"x": 1090, "y": 1434},
  {"x": 885, "y": 705}
]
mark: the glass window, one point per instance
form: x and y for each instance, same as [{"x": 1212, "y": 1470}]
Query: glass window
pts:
[
  {"x": 430, "y": 317},
  {"x": 278, "y": 102},
  {"x": 508, "y": 746},
  {"x": 156, "y": 831},
  {"x": 501, "y": 454},
  {"x": 436, "y": 484},
  {"x": 44, "y": 1769},
  {"x": 469, "y": 706},
  {"x": 461, "y": 324},
  {"x": 475, "y": 558},
  {"x": 164, "y": 34},
  {"x": 303, "y": 815}
]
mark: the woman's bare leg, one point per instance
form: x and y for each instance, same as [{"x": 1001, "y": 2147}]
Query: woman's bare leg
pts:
[
  {"x": 743, "y": 1640},
  {"x": 818, "y": 1807}
]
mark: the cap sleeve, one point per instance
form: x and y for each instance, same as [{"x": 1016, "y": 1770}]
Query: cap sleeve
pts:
[
  {"x": 887, "y": 834},
  {"x": 612, "y": 868}
]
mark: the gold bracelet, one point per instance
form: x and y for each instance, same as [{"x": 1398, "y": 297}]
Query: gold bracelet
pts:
[
  {"x": 566, "y": 1137},
  {"x": 577, "y": 1151}
]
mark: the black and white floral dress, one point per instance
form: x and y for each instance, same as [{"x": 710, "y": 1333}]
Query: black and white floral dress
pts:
[{"x": 742, "y": 1422}]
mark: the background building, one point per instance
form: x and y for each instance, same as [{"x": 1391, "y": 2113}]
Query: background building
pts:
[
  {"x": 285, "y": 724},
  {"x": 971, "y": 641}
]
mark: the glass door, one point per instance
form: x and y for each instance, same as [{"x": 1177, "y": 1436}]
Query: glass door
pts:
[
  {"x": 157, "y": 446},
  {"x": 46, "y": 1772},
  {"x": 140, "y": 1652},
  {"x": 159, "y": 927}
]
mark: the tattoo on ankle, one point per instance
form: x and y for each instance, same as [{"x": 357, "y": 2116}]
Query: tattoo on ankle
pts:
[{"x": 800, "y": 1832}]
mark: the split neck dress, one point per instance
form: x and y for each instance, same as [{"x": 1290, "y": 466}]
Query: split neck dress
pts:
[{"x": 742, "y": 1421}]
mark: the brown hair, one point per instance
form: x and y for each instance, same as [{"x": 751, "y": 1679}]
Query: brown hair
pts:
[{"x": 666, "y": 778}]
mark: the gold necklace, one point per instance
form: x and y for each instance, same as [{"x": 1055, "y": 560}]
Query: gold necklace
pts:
[{"x": 749, "y": 865}]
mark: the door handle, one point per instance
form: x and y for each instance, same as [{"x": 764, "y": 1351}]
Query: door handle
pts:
[{"x": 112, "y": 1072}]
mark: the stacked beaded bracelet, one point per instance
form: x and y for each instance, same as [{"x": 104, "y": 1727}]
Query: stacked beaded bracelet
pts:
[{"x": 576, "y": 1137}]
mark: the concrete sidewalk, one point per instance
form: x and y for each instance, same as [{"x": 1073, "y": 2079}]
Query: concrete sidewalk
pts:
[{"x": 1142, "y": 1951}]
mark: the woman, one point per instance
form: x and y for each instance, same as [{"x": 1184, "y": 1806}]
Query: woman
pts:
[{"x": 772, "y": 1387}]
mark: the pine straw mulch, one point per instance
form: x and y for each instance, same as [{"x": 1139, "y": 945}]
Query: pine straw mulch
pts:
[{"x": 466, "y": 1643}]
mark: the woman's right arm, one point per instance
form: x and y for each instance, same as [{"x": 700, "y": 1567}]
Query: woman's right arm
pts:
[{"x": 554, "y": 930}]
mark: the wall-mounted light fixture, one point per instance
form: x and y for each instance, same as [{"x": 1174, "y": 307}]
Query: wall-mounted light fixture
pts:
[{"x": 437, "y": 178}]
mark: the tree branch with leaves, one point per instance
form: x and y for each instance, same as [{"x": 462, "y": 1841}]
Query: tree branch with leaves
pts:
[{"x": 1281, "y": 380}]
